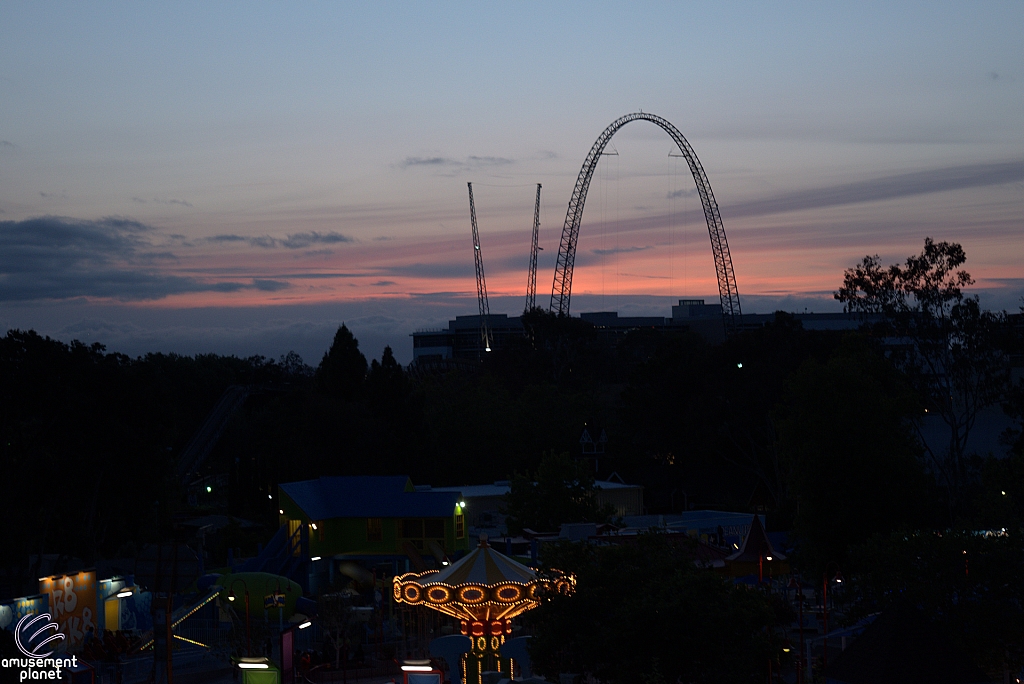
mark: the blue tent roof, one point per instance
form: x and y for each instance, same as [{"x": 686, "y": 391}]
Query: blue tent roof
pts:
[{"x": 368, "y": 497}]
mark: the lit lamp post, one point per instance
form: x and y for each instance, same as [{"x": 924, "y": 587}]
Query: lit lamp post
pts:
[
  {"x": 795, "y": 584},
  {"x": 231, "y": 597},
  {"x": 255, "y": 670},
  {"x": 760, "y": 567},
  {"x": 838, "y": 579}
]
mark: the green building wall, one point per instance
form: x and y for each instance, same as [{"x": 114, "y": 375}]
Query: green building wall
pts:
[{"x": 348, "y": 536}]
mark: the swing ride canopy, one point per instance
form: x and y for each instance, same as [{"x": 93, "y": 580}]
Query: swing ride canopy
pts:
[{"x": 483, "y": 585}]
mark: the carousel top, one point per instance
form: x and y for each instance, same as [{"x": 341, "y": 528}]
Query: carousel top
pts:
[
  {"x": 484, "y": 566},
  {"x": 484, "y": 584}
]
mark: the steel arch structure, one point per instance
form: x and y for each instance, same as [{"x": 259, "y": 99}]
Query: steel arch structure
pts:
[{"x": 561, "y": 289}]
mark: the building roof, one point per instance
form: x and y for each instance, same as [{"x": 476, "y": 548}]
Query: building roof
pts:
[
  {"x": 756, "y": 545},
  {"x": 503, "y": 487},
  {"x": 901, "y": 645},
  {"x": 475, "y": 491},
  {"x": 368, "y": 497},
  {"x": 608, "y": 484}
]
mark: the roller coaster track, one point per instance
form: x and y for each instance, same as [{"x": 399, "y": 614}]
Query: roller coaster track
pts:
[{"x": 561, "y": 288}]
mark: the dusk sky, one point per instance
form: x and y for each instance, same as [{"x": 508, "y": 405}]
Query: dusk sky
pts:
[{"x": 242, "y": 178}]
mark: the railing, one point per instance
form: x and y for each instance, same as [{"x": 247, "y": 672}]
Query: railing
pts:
[{"x": 209, "y": 633}]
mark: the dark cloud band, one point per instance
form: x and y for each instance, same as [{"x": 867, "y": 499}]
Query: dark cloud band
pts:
[
  {"x": 879, "y": 189},
  {"x": 56, "y": 258},
  {"x": 293, "y": 241}
]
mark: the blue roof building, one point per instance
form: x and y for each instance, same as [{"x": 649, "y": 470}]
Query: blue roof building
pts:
[{"x": 373, "y": 516}]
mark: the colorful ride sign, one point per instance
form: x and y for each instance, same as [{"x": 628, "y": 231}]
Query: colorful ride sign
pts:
[{"x": 72, "y": 605}]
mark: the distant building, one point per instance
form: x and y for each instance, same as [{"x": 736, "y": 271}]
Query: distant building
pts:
[
  {"x": 724, "y": 528},
  {"x": 374, "y": 517},
  {"x": 461, "y": 339},
  {"x": 484, "y": 503}
]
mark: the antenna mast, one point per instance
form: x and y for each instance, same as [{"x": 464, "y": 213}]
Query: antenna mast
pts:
[
  {"x": 481, "y": 283},
  {"x": 531, "y": 283}
]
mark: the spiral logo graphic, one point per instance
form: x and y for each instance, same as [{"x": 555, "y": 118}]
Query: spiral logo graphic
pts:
[{"x": 30, "y": 637}]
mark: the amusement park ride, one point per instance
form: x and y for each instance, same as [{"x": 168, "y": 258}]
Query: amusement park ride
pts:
[
  {"x": 484, "y": 591},
  {"x": 481, "y": 282},
  {"x": 561, "y": 288},
  {"x": 531, "y": 281}
]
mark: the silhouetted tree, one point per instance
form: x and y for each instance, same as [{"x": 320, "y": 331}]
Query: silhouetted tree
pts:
[
  {"x": 294, "y": 367},
  {"x": 386, "y": 382},
  {"x": 562, "y": 492},
  {"x": 564, "y": 347},
  {"x": 343, "y": 368},
  {"x": 644, "y": 612},
  {"x": 855, "y": 465},
  {"x": 98, "y": 433},
  {"x": 949, "y": 353},
  {"x": 970, "y": 584}
]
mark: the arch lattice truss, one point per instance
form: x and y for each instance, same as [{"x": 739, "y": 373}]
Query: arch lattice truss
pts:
[{"x": 561, "y": 290}]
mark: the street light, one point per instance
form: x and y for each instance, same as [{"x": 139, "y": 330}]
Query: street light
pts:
[
  {"x": 248, "y": 635},
  {"x": 253, "y": 666},
  {"x": 760, "y": 567},
  {"x": 794, "y": 583},
  {"x": 838, "y": 579}
]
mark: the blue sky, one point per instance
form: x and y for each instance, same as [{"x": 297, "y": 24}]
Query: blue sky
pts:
[{"x": 241, "y": 178}]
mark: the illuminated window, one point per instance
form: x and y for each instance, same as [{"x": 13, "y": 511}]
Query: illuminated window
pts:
[
  {"x": 374, "y": 530},
  {"x": 460, "y": 526},
  {"x": 433, "y": 528},
  {"x": 412, "y": 528}
]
